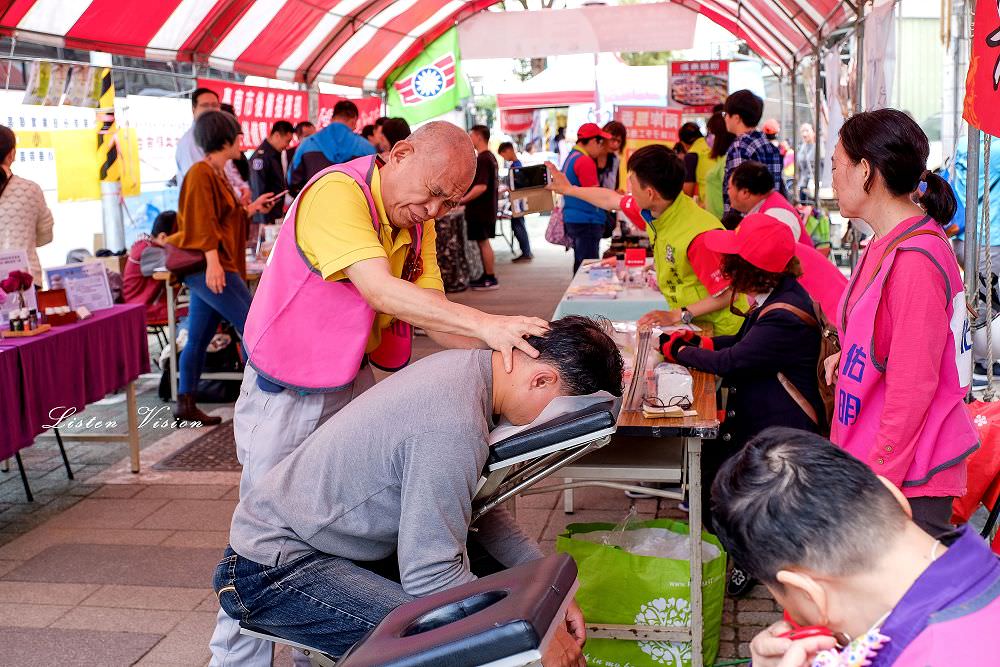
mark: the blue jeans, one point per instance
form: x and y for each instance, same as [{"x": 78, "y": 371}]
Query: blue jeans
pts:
[
  {"x": 521, "y": 234},
  {"x": 586, "y": 241},
  {"x": 323, "y": 601},
  {"x": 319, "y": 600},
  {"x": 205, "y": 312}
]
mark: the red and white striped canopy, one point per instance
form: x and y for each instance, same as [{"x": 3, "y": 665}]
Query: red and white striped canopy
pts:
[{"x": 350, "y": 42}]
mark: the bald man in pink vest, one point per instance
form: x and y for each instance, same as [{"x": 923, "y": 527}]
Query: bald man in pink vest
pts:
[{"x": 353, "y": 269}]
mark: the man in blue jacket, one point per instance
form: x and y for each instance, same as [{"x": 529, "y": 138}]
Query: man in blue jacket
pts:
[{"x": 334, "y": 144}]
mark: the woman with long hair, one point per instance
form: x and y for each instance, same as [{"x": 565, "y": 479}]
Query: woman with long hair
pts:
[
  {"x": 722, "y": 139},
  {"x": 25, "y": 218},
  {"x": 905, "y": 365},
  {"x": 212, "y": 220}
]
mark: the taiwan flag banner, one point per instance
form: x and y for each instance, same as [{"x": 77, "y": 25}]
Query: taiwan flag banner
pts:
[
  {"x": 432, "y": 84},
  {"x": 982, "y": 86}
]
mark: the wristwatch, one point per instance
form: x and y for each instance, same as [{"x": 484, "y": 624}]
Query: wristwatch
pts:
[{"x": 686, "y": 316}]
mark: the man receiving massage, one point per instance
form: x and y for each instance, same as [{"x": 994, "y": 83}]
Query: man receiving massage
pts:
[{"x": 373, "y": 509}]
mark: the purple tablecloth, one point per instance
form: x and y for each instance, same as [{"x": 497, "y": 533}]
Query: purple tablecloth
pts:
[{"x": 67, "y": 367}]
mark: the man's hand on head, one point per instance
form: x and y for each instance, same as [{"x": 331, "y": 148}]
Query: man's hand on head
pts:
[{"x": 505, "y": 333}]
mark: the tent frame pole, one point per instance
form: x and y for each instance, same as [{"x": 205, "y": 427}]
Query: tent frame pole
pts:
[
  {"x": 859, "y": 37},
  {"x": 795, "y": 128},
  {"x": 819, "y": 132}
]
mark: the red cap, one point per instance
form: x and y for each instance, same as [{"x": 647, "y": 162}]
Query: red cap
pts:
[
  {"x": 771, "y": 126},
  {"x": 765, "y": 242},
  {"x": 589, "y": 130}
]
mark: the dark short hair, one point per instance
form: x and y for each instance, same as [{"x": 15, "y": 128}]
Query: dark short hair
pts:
[
  {"x": 505, "y": 146},
  {"x": 897, "y": 148},
  {"x": 745, "y": 278},
  {"x": 790, "y": 498},
  {"x": 689, "y": 133},
  {"x": 752, "y": 176},
  {"x": 345, "y": 109},
  {"x": 380, "y": 121},
  {"x": 658, "y": 167},
  {"x": 214, "y": 130},
  {"x": 747, "y": 106},
  {"x": 228, "y": 108},
  {"x": 722, "y": 137},
  {"x": 718, "y": 108},
  {"x": 367, "y": 131},
  {"x": 395, "y": 130},
  {"x": 301, "y": 125},
  {"x": 282, "y": 127},
  {"x": 165, "y": 223},
  {"x": 582, "y": 350},
  {"x": 198, "y": 92},
  {"x": 616, "y": 130},
  {"x": 482, "y": 131}
]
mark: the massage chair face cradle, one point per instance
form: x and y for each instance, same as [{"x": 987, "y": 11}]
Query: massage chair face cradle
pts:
[{"x": 506, "y": 619}]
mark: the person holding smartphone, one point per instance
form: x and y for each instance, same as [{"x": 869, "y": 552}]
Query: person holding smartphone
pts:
[
  {"x": 266, "y": 173},
  {"x": 212, "y": 220}
]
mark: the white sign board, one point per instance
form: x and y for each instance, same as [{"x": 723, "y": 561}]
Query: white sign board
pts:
[{"x": 85, "y": 284}]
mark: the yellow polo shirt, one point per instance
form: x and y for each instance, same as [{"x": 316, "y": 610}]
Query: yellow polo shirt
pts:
[{"x": 333, "y": 228}]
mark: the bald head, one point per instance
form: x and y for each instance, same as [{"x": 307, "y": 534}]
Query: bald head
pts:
[
  {"x": 446, "y": 144},
  {"x": 427, "y": 173}
]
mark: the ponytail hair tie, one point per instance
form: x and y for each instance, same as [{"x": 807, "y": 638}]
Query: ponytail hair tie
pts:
[{"x": 923, "y": 176}]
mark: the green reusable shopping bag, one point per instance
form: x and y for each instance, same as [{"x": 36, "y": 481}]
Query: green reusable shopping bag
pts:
[{"x": 623, "y": 588}]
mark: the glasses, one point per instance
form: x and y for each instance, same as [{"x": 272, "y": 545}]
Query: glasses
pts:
[{"x": 682, "y": 402}]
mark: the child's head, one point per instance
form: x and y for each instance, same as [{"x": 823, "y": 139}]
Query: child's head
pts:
[{"x": 164, "y": 225}]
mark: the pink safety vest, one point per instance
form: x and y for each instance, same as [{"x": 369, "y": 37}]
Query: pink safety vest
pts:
[
  {"x": 310, "y": 334},
  {"x": 947, "y": 435},
  {"x": 777, "y": 200},
  {"x": 965, "y": 635}
]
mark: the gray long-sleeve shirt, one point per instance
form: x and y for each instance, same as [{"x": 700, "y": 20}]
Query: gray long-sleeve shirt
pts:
[{"x": 395, "y": 470}]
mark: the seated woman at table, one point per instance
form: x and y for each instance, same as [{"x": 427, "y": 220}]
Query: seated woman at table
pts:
[
  {"x": 686, "y": 270},
  {"x": 212, "y": 220},
  {"x": 769, "y": 366}
]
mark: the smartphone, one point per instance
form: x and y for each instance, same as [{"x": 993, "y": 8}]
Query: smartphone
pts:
[
  {"x": 535, "y": 176},
  {"x": 279, "y": 195}
]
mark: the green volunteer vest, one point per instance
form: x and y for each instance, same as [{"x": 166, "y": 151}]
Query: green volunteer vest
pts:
[
  {"x": 713, "y": 188},
  {"x": 705, "y": 165},
  {"x": 671, "y": 235}
]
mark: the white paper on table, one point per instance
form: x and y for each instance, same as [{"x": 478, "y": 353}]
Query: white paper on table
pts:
[{"x": 557, "y": 407}]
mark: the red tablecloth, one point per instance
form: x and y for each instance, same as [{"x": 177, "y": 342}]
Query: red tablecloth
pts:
[{"x": 67, "y": 367}]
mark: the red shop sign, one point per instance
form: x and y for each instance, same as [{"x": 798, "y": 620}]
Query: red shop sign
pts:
[
  {"x": 982, "y": 85},
  {"x": 369, "y": 110},
  {"x": 649, "y": 123},
  {"x": 516, "y": 121},
  {"x": 259, "y": 108}
]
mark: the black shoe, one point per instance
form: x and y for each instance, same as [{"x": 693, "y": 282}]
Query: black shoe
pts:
[
  {"x": 485, "y": 282},
  {"x": 523, "y": 258},
  {"x": 739, "y": 583}
]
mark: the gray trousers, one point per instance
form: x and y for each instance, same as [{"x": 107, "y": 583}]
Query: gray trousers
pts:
[{"x": 268, "y": 427}]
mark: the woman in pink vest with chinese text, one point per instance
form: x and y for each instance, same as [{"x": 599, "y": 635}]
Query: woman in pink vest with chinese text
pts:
[{"x": 905, "y": 363}]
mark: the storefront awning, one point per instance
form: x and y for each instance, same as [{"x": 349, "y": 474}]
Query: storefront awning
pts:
[{"x": 350, "y": 42}]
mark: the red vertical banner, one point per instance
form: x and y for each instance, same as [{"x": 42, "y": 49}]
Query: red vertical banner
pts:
[
  {"x": 258, "y": 108},
  {"x": 369, "y": 109},
  {"x": 982, "y": 85}
]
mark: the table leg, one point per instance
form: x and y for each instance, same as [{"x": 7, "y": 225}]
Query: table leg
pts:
[
  {"x": 172, "y": 339},
  {"x": 693, "y": 446},
  {"x": 133, "y": 426}
]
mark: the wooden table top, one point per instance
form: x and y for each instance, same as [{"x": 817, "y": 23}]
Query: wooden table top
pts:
[
  {"x": 166, "y": 275},
  {"x": 631, "y": 421}
]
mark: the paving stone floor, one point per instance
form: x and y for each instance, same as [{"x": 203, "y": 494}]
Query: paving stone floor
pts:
[{"x": 114, "y": 568}]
